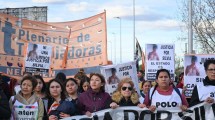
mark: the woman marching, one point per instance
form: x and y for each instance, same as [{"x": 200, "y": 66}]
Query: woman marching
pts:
[
  {"x": 125, "y": 95},
  {"x": 145, "y": 86},
  {"x": 164, "y": 93},
  {"x": 57, "y": 106},
  {"x": 26, "y": 105},
  {"x": 95, "y": 98},
  {"x": 72, "y": 91}
]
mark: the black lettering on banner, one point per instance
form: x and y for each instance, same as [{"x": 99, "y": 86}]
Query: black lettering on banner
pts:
[
  {"x": 181, "y": 115},
  {"x": 145, "y": 112},
  {"x": 95, "y": 117},
  {"x": 158, "y": 115},
  {"x": 107, "y": 116},
  {"x": 197, "y": 113},
  {"x": 202, "y": 112},
  {"x": 213, "y": 107},
  {"x": 212, "y": 94},
  {"x": 126, "y": 116}
]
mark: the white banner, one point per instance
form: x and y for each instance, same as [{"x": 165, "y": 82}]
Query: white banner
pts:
[
  {"x": 38, "y": 58},
  {"x": 159, "y": 56},
  {"x": 121, "y": 71},
  {"x": 194, "y": 71},
  {"x": 201, "y": 111}
]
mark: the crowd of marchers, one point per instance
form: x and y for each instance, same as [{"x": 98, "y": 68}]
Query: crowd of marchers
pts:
[{"x": 64, "y": 97}]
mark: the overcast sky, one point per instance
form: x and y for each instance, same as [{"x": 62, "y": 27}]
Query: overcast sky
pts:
[{"x": 157, "y": 21}]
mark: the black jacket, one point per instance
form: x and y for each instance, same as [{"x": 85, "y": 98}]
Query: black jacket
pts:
[
  {"x": 195, "y": 97},
  {"x": 5, "y": 111},
  {"x": 123, "y": 102}
]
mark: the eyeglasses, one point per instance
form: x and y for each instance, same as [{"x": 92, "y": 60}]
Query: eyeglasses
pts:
[
  {"x": 210, "y": 70},
  {"x": 129, "y": 88}
]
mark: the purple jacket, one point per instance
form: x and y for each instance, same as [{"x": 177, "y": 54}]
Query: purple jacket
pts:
[{"x": 92, "y": 101}]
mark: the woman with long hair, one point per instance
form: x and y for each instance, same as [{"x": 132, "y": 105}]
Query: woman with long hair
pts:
[
  {"x": 40, "y": 89},
  {"x": 95, "y": 98},
  {"x": 125, "y": 95},
  {"x": 56, "y": 98},
  {"x": 145, "y": 87},
  {"x": 72, "y": 91}
]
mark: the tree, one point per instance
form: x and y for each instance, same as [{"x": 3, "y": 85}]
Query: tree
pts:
[{"x": 203, "y": 23}]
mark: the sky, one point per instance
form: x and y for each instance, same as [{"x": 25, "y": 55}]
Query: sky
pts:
[{"x": 157, "y": 21}]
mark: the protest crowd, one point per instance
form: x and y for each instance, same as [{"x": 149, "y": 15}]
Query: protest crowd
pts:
[{"x": 84, "y": 94}]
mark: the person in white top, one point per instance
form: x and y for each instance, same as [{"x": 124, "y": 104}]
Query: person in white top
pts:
[
  {"x": 204, "y": 92},
  {"x": 26, "y": 105}
]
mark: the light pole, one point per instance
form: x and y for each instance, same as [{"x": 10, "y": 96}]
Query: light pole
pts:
[
  {"x": 190, "y": 31},
  {"x": 134, "y": 25},
  {"x": 114, "y": 35},
  {"x": 120, "y": 39},
  {"x": 111, "y": 50}
]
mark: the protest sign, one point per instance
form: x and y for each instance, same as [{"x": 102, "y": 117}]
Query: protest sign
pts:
[
  {"x": 38, "y": 58},
  {"x": 114, "y": 73},
  {"x": 159, "y": 56},
  {"x": 194, "y": 71}
]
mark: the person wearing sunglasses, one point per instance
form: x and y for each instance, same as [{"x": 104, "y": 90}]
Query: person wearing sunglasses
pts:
[
  {"x": 125, "y": 95},
  {"x": 204, "y": 91},
  {"x": 164, "y": 95}
]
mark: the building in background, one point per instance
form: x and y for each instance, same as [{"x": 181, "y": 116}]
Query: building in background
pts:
[{"x": 31, "y": 13}]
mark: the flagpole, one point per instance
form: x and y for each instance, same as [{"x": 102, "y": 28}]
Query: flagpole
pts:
[{"x": 134, "y": 26}]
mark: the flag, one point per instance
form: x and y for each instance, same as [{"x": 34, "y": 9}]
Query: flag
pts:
[
  {"x": 64, "y": 62},
  {"x": 139, "y": 56}
]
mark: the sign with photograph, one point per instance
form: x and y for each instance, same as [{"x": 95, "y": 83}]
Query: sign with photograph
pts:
[
  {"x": 159, "y": 56},
  {"x": 38, "y": 58},
  {"x": 114, "y": 73},
  {"x": 194, "y": 71}
]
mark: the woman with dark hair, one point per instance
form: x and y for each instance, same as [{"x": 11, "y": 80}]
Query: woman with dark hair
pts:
[
  {"x": 30, "y": 106},
  {"x": 40, "y": 89},
  {"x": 145, "y": 86},
  {"x": 181, "y": 81},
  {"x": 79, "y": 76},
  {"x": 61, "y": 77},
  {"x": 57, "y": 106},
  {"x": 165, "y": 93},
  {"x": 85, "y": 84},
  {"x": 95, "y": 98},
  {"x": 72, "y": 91},
  {"x": 125, "y": 95}
]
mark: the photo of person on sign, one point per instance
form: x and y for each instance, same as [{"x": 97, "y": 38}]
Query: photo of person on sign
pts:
[
  {"x": 153, "y": 54},
  {"x": 113, "y": 79},
  {"x": 192, "y": 69},
  {"x": 33, "y": 53}
]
